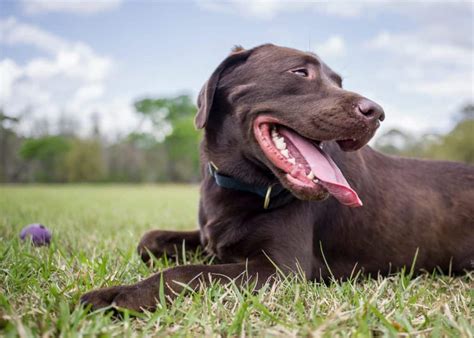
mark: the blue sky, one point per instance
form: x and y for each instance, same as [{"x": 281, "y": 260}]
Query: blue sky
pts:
[{"x": 77, "y": 58}]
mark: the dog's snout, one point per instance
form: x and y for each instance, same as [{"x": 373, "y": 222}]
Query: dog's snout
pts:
[{"x": 370, "y": 110}]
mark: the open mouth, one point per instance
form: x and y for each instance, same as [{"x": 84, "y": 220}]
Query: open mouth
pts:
[{"x": 308, "y": 170}]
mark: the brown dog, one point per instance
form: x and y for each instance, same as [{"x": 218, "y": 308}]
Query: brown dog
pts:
[{"x": 288, "y": 183}]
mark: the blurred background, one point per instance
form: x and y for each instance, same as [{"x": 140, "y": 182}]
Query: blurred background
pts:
[{"x": 105, "y": 90}]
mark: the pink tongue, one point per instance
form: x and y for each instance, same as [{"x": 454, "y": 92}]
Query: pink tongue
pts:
[{"x": 325, "y": 170}]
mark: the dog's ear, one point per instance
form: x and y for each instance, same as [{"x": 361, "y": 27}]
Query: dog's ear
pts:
[{"x": 206, "y": 95}]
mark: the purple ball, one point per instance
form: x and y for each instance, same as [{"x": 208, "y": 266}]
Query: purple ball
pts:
[{"x": 38, "y": 233}]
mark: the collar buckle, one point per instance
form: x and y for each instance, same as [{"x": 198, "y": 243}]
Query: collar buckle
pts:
[{"x": 268, "y": 195}]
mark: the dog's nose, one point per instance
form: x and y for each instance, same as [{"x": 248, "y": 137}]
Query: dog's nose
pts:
[{"x": 370, "y": 110}]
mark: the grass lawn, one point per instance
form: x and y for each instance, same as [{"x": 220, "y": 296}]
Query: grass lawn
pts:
[{"x": 95, "y": 231}]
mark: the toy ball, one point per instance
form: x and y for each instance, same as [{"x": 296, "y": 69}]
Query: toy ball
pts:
[{"x": 38, "y": 233}]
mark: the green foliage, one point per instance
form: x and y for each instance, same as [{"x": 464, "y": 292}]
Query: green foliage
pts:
[
  {"x": 458, "y": 145},
  {"x": 84, "y": 161},
  {"x": 180, "y": 145},
  {"x": 49, "y": 153},
  {"x": 182, "y": 149},
  {"x": 143, "y": 141},
  {"x": 166, "y": 152},
  {"x": 64, "y": 159},
  {"x": 171, "y": 108},
  {"x": 44, "y": 148}
]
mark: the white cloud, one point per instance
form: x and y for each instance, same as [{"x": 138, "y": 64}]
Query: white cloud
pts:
[
  {"x": 86, "y": 94},
  {"x": 462, "y": 86},
  {"x": 416, "y": 46},
  {"x": 69, "y": 6},
  {"x": 264, "y": 9},
  {"x": 348, "y": 9},
  {"x": 334, "y": 46},
  {"x": 77, "y": 61},
  {"x": 70, "y": 79},
  {"x": 12, "y": 33},
  {"x": 72, "y": 59},
  {"x": 405, "y": 118},
  {"x": 116, "y": 115},
  {"x": 267, "y": 9},
  {"x": 30, "y": 100},
  {"x": 425, "y": 66},
  {"x": 9, "y": 72}
]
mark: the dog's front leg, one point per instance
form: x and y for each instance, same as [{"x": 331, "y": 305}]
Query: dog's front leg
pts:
[
  {"x": 161, "y": 242},
  {"x": 146, "y": 294}
]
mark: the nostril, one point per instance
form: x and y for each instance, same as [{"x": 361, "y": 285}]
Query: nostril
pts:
[
  {"x": 366, "y": 108},
  {"x": 382, "y": 117},
  {"x": 370, "y": 110}
]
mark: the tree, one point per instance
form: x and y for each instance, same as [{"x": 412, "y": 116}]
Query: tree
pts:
[
  {"x": 172, "y": 126},
  {"x": 403, "y": 143},
  {"x": 457, "y": 145},
  {"x": 7, "y": 140},
  {"x": 49, "y": 153},
  {"x": 84, "y": 162}
]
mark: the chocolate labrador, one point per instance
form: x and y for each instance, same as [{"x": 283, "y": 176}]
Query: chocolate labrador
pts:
[{"x": 290, "y": 185}]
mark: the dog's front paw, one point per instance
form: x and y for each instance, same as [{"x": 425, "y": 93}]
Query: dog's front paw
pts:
[
  {"x": 125, "y": 297},
  {"x": 158, "y": 243},
  {"x": 101, "y": 298}
]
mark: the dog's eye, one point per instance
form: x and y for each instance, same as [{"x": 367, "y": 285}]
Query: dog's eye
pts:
[{"x": 300, "y": 72}]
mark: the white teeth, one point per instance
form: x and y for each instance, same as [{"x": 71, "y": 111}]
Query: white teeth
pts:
[
  {"x": 280, "y": 143},
  {"x": 278, "y": 140},
  {"x": 285, "y": 153},
  {"x": 310, "y": 175},
  {"x": 316, "y": 180},
  {"x": 292, "y": 161}
]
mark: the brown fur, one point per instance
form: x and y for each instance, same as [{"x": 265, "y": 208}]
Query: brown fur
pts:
[{"x": 410, "y": 206}]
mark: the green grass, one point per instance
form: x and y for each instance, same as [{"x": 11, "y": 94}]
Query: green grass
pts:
[{"x": 96, "y": 229}]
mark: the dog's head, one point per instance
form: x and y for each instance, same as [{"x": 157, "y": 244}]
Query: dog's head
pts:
[{"x": 274, "y": 108}]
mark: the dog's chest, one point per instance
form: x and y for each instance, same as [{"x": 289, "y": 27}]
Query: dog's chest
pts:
[
  {"x": 237, "y": 236},
  {"x": 228, "y": 239}
]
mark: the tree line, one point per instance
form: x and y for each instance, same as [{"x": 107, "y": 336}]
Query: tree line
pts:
[
  {"x": 168, "y": 151},
  {"x": 455, "y": 145}
]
